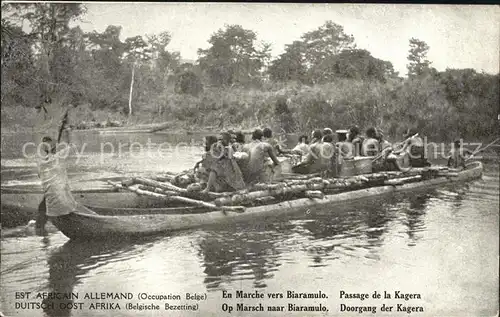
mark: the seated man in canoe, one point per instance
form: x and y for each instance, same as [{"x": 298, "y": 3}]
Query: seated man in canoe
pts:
[
  {"x": 303, "y": 166},
  {"x": 201, "y": 168},
  {"x": 456, "y": 158},
  {"x": 344, "y": 147},
  {"x": 327, "y": 131},
  {"x": 268, "y": 137},
  {"x": 343, "y": 151},
  {"x": 411, "y": 153},
  {"x": 319, "y": 158},
  {"x": 302, "y": 147},
  {"x": 356, "y": 139},
  {"x": 316, "y": 137},
  {"x": 370, "y": 143},
  {"x": 380, "y": 162},
  {"x": 382, "y": 142},
  {"x": 292, "y": 157},
  {"x": 224, "y": 174},
  {"x": 258, "y": 169},
  {"x": 333, "y": 155},
  {"x": 239, "y": 141}
]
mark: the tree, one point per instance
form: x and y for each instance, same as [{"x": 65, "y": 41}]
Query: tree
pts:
[
  {"x": 136, "y": 53},
  {"x": 354, "y": 64},
  {"x": 417, "y": 58},
  {"x": 107, "y": 76},
  {"x": 49, "y": 23},
  {"x": 323, "y": 44},
  {"x": 311, "y": 59},
  {"x": 136, "y": 50},
  {"x": 326, "y": 41},
  {"x": 164, "y": 61},
  {"x": 264, "y": 55},
  {"x": 290, "y": 65},
  {"x": 18, "y": 69},
  {"x": 107, "y": 50},
  {"x": 232, "y": 57}
]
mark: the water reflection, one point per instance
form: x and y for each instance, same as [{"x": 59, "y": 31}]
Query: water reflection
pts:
[
  {"x": 228, "y": 255},
  {"x": 71, "y": 263},
  {"x": 250, "y": 252},
  {"x": 333, "y": 228},
  {"x": 415, "y": 215},
  {"x": 330, "y": 233},
  {"x": 461, "y": 190},
  {"x": 351, "y": 229}
]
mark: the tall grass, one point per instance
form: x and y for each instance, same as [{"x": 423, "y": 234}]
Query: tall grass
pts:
[{"x": 294, "y": 107}]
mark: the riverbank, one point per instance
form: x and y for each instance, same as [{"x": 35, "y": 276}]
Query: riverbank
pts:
[
  {"x": 295, "y": 108},
  {"x": 144, "y": 124},
  {"x": 85, "y": 119}
]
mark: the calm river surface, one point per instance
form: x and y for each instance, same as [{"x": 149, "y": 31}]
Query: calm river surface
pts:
[{"x": 440, "y": 243}]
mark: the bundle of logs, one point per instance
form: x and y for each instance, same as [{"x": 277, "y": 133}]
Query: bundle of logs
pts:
[{"x": 292, "y": 187}]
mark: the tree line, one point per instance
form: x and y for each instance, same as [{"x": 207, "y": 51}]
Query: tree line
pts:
[{"x": 322, "y": 79}]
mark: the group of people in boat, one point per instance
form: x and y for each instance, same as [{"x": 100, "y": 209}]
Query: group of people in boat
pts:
[
  {"x": 230, "y": 163},
  {"x": 328, "y": 152}
]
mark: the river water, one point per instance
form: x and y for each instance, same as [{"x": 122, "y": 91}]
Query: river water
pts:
[{"x": 440, "y": 244}]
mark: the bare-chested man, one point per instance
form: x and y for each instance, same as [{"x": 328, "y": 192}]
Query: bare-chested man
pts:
[
  {"x": 319, "y": 158},
  {"x": 259, "y": 152},
  {"x": 224, "y": 172}
]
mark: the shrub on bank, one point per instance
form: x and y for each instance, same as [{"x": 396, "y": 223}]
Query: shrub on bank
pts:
[{"x": 442, "y": 107}]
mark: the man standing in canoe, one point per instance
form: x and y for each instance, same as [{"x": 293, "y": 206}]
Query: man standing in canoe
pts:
[
  {"x": 51, "y": 158},
  {"x": 343, "y": 150},
  {"x": 254, "y": 171}
]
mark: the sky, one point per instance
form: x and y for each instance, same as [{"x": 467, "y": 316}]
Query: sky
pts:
[{"x": 459, "y": 36}]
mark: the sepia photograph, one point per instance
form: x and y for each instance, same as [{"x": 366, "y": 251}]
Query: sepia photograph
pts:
[{"x": 249, "y": 159}]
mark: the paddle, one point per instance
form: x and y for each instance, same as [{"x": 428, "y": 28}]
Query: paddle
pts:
[
  {"x": 482, "y": 149},
  {"x": 64, "y": 120},
  {"x": 395, "y": 146}
]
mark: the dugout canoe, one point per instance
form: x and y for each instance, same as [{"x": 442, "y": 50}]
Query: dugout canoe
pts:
[
  {"x": 90, "y": 224},
  {"x": 97, "y": 193},
  {"x": 19, "y": 205}
]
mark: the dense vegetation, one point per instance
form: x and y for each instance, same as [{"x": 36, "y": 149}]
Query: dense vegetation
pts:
[{"x": 321, "y": 80}]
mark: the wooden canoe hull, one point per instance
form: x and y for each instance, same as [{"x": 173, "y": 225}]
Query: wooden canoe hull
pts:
[
  {"x": 78, "y": 225},
  {"x": 31, "y": 200},
  {"x": 105, "y": 196},
  {"x": 17, "y": 208}
]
